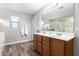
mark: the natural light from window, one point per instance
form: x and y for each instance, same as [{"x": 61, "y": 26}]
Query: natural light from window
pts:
[{"x": 14, "y": 22}]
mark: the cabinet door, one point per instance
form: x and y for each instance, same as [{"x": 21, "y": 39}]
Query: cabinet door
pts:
[
  {"x": 57, "y": 47},
  {"x": 70, "y": 48},
  {"x": 46, "y": 51},
  {"x": 39, "y": 38},
  {"x": 46, "y": 46},
  {"x": 39, "y": 44}
]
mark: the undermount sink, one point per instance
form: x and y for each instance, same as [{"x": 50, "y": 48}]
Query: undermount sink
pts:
[
  {"x": 56, "y": 34},
  {"x": 60, "y": 35}
]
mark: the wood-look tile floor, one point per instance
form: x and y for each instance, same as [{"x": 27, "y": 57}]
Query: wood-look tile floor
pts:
[{"x": 20, "y": 49}]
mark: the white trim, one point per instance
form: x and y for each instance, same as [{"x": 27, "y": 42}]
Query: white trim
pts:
[{"x": 16, "y": 42}]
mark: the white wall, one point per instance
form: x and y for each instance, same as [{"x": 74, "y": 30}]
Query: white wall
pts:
[
  {"x": 36, "y": 20},
  {"x": 13, "y": 35}
]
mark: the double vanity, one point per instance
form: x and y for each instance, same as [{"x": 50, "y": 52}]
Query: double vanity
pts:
[{"x": 54, "y": 44}]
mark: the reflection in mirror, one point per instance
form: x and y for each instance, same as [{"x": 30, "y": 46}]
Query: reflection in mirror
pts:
[{"x": 60, "y": 25}]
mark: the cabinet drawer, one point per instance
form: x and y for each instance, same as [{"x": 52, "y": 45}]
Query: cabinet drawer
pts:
[
  {"x": 39, "y": 43},
  {"x": 46, "y": 44},
  {"x": 46, "y": 47},
  {"x": 46, "y": 39},
  {"x": 39, "y": 38},
  {"x": 46, "y": 51}
]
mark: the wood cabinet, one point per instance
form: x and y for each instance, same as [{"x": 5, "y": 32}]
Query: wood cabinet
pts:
[
  {"x": 69, "y": 47},
  {"x": 38, "y": 43},
  {"x": 47, "y": 46},
  {"x": 57, "y": 47},
  {"x": 62, "y": 48}
]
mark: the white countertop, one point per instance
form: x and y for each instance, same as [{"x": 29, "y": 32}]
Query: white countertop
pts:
[{"x": 63, "y": 36}]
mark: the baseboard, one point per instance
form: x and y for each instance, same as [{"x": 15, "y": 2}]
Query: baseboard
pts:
[{"x": 16, "y": 42}]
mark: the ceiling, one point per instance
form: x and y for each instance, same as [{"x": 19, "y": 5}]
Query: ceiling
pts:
[{"x": 29, "y": 8}]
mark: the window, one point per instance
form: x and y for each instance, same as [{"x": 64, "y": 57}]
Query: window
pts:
[{"x": 14, "y": 22}]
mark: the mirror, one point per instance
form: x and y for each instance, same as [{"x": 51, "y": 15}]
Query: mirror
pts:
[{"x": 60, "y": 20}]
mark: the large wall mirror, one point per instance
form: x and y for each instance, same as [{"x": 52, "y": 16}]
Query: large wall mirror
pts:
[{"x": 60, "y": 20}]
